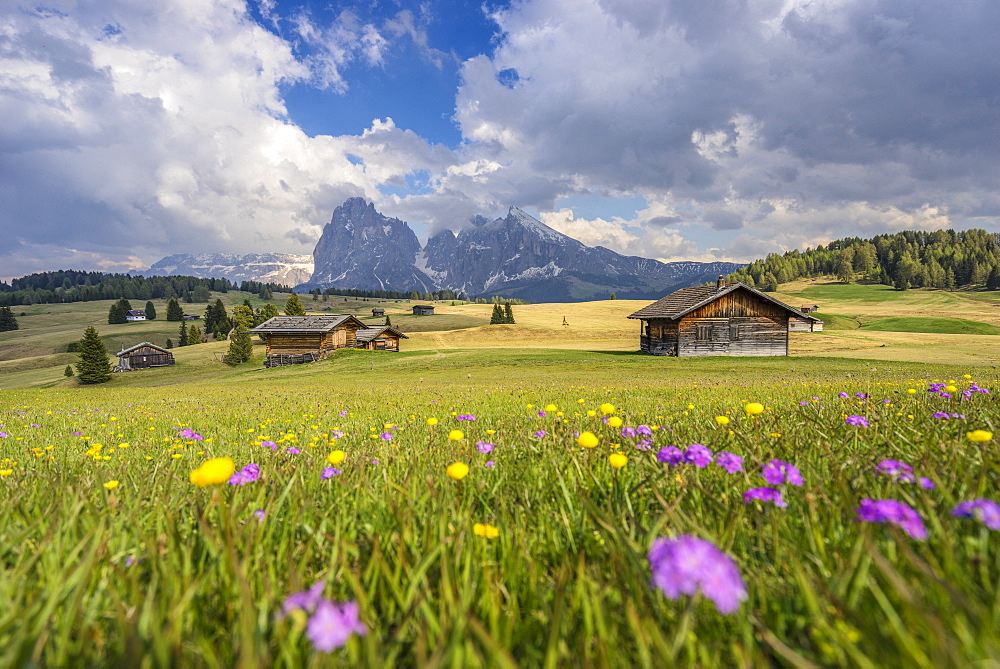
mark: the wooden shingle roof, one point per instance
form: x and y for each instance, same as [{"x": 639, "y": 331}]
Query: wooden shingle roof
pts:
[
  {"x": 126, "y": 351},
  {"x": 684, "y": 301},
  {"x": 316, "y": 323},
  {"x": 368, "y": 334}
]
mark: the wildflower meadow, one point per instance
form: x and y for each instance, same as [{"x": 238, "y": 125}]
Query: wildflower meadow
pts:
[{"x": 660, "y": 516}]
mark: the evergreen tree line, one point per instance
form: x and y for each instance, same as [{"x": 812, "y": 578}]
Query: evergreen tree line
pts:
[
  {"x": 391, "y": 294},
  {"x": 78, "y": 286},
  {"x": 945, "y": 259},
  {"x": 502, "y": 315}
]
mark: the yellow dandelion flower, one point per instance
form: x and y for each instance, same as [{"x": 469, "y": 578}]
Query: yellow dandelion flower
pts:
[
  {"x": 607, "y": 408},
  {"x": 618, "y": 460},
  {"x": 456, "y": 435},
  {"x": 754, "y": 408},
  {"x": 487, "y": 531},
  {"x": 458, "y": 470},
  {"x": 587, "y": 440},
  {"x": 213, "y": 472},
  {"x": 111, "y": 485},
  {"x": 979, "y": 436},
  {"x": 6, "y": 472},
  {"x": 336, "y": 457},
  {"x": 615, "y": 421},
  {"x": 722, "y": 420}
]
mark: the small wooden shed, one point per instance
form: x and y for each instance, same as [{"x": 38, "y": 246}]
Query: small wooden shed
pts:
[
  {"x": 142, "y": 356},
  {"x": 382, "y": 338},
  {"x": 296, "y": 339},
  {"x": 378, "y": 311},
  {"x": 720, "y": 319},
  {"x": 423, "y": 310}
]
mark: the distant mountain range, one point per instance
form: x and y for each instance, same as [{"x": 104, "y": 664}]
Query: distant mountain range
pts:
[
  {"x": 516, "y": 256},
  {"x": 283, "y": 268}
]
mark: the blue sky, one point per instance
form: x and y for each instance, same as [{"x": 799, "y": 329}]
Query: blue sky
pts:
[{"x": 670, "y": 129}]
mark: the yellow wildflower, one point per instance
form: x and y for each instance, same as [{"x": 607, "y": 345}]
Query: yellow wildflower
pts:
[
  {"x": 618, "y": 460},
  {"x": 213, "y": 472},
  {"x": 754, "y": 408},
  {"x": 458, "y": 470},
  {"x": 587, "y": 440},
  {"x": 336, "y": 457}
]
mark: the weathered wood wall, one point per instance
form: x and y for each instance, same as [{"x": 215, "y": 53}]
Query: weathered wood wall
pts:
[
  {"x": 388, "y": 342},
  {"x": 297, "y": 343}
]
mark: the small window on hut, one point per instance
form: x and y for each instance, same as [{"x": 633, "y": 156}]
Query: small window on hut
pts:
[
  {"x": 734, "y": 332},
  {"x": 703, "y": 332}
]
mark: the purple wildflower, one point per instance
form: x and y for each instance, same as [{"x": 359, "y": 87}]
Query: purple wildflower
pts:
[
  {"x": 292, "y": 450},
  {"x": 490, "y": 463},
  {"x": 337, "y": 434},
  {"x": 698, "y": 455},
  {"x": 842, "y": 395},
  {"x": 896, "y": 469},
  {"x": 484, "y": 447},
  {"x": 248, "y": 474},
  {"x": 188, "y": 433},
  {"x": 644, "y": 445},
  {"x": 926, "y": 483},
  {"x": 985, "y": 511},
  {"x": 859, "y": 421},
  {"x": 863, "y": 396},
  {"x": 269, "y": 444},
  {"x": 777, "y": 472},
  {"x": 307, "y": 600},
  {"x": 3, "y": 435},
  {"x": 628, "y": 432},
  {"x": 541, "y": 414},
  {"x": 330, "y": 472},
  {"x": 386, "y": 436},
  {"x": 129, "y": 561},
  {"x": 687, "y": 564},
  {"x": 259, "y": 515},
  {"x": 731, "y": 462},
  {"x": 332, "y": 625},
  {"x": 373, "y": 461},
  {"x": 72, "y": 434},
  {"x": 940, "y": 414},
  {"x": 772, "y": 495},
  {"x": 539, "y": 434},
  {"x": 893, "y": 512},
  {"x": 804, "y": 403},
  {"x": 644, "y": 430},
  {"x": 342, "y": 413},
  {"x": 467, "y": 417},
  {"x": 671, "y": 455}
]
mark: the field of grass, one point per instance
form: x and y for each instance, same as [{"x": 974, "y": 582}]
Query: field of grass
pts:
[
  {"x": 157, "y": 571},
  {"x": 540, "y": 555}
]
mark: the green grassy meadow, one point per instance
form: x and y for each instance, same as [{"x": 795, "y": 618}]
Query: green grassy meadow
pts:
[{"x": 110, "y": 556}]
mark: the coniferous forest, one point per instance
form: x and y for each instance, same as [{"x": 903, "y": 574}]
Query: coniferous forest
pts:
[{"x": 945, "y": 259}]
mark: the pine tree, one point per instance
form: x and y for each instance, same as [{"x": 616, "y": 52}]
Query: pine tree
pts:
[
  {"x": 497, "y": 317},
  {"x": 508, "y": 314},
  {"x": 388, "y": 323},
  {"x": 118, "y": 312},
  {"x": 150, "y": 311},
  {"x": 293, "y": 307},
  {"x": 240, "y": 346},
  {"x": 68, "y": 372},
  {"x": 174, "y": 310},
  {"x": 266, "y": 313},
  {"x": 194, "y": 335},
  {"x": 7, "y": 320},
  {"x": 170, "y": 344},
  {"x": 183, "y": 332},
  {"x": 93, "y": 366}
]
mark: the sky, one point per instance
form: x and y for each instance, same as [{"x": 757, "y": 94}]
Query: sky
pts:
[{"x": 679, "y": 130}]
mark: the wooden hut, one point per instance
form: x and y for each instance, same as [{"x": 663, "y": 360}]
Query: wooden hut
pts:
[
  {"x": 296, "y": 339},
  {"x": 423, "y": 310},
  {"x": 720, "y": 319},
  {"x": 142, "y": 356},
  {"x": 382, "y": 338},
  {"x": 377, "y": 311}
]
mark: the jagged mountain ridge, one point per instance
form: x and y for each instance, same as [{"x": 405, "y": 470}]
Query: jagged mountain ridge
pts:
[
  {"x": 513, "y": 256},
  {"x": 284, "y": 268}
]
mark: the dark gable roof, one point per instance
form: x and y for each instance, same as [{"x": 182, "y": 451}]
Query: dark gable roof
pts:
[
  {"x": 126, "y": 351},
  {"x": 368, "y": 334},
  {"x": 318, "y": 323},
  {"x": 684, "y": 301},
  {"x": 135, "y": 312}
]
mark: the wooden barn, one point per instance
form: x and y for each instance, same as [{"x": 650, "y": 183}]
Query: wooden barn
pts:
[
  {"x": 377, "y": 311},
  {"x": 423, "y": 310},
  {"x": 382, "y": 338},
  {"x": 142, "y": 356},
  {"x": 720, "y": 319},
  {"x": 296, "y": 339}
]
